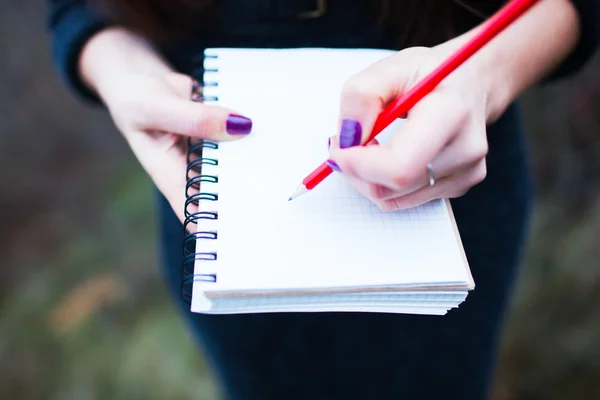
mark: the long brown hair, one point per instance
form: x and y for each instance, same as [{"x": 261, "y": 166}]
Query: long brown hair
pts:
[{"x": 413, "y": 22}]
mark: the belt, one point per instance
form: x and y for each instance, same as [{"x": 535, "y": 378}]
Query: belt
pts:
[{"x": 294, "y": 9}]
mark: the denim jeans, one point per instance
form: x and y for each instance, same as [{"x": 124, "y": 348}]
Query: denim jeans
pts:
[{"x": 381, "y": 356}]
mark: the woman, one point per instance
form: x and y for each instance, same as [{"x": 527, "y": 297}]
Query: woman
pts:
[{"x": 469, "y": 129}]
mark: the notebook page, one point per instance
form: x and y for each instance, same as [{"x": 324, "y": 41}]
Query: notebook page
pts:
[{"x": 331, "y": 237}]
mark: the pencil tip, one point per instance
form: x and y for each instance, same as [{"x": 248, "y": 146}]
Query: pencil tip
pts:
[{"x": 299, "y": 192}]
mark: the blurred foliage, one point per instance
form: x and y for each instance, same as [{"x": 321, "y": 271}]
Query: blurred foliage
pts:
[
  {"x": 83, "y": 313},
  {"x": 551, "y": 346}
]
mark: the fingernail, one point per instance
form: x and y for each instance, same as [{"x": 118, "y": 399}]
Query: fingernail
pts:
[
  {"x": 333, "y": 165},
  {"x": 328, "y": 143},
  {"x": 350, "y": 134},
  {"x": 238, "y": 125}
]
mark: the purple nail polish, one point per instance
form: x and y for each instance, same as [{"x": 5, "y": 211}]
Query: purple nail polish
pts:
[
  {"x": 350, "y": 134},
  {"x": 238, "y": 125},
  {"x": 333, "y": 165},
  {"x": 328, "y": 143}
]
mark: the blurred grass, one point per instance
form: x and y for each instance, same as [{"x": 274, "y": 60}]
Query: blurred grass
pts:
[
  {"x": 551, "y": 347},
  {"x": 84, "y": 315},
  {"x": 95, "y": 321}
]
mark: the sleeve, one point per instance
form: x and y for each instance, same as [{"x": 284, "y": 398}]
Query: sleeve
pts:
[
  {"x": 70, "y": 24},
  {"x": 589, "y": 20}
]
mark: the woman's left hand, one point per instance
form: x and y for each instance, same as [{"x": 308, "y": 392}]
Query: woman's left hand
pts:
[{"x": 446, "y": 130}]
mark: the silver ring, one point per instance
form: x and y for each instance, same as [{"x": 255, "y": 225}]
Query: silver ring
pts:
[{"x": 431, "y": 176}]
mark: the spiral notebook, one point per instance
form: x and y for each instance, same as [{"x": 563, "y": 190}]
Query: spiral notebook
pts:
[{"x": 251, "y": 250}]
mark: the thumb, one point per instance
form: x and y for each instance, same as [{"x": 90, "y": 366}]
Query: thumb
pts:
[
  {"x": 171, "y": 113},
  {"x": 366, "y": 94}
]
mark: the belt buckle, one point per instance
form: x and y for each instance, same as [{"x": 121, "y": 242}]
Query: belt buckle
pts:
[{"x": 318, "y": 12}]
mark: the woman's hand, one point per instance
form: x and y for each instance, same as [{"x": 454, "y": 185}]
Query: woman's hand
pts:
[
  {"x": 151, "y": 106},
  {"x": 155, "y": 115},
  {"x": 446, "y": 130}
]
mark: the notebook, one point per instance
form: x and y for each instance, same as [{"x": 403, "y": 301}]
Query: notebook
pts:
[{"x": 250, "y": 250}]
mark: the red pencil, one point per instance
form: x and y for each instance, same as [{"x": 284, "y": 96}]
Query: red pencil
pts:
[{"x": 496, "y": 24}]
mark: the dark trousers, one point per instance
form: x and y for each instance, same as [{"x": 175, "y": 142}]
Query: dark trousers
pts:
[{"x": 382, "y": 356}]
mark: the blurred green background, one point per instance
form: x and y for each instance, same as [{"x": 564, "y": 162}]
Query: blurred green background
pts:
[{"x": 83, "y": 314}]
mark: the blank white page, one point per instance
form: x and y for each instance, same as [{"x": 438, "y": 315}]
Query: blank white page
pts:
[{"x": 331, "y": 237}]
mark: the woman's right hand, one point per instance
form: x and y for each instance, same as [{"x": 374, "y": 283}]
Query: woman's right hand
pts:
[{"x": 150, "y": 104}]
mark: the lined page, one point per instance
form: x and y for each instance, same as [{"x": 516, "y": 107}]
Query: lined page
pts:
[{"x": 331, "y": 237}]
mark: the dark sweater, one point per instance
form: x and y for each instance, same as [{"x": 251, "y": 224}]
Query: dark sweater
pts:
[{"x": 72, "y": 22}]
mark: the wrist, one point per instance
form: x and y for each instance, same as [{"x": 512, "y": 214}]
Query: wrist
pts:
[
  {"x": 113, "y": 53},
  {"x": 521, "y": 55},
  {"x": 498, "y": 74},
  {"x": 487, "y": 74}
]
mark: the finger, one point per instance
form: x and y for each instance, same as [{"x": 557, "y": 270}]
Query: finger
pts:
[
  {"x": 183, "y": 84},
  {"x": 235, "y": 124},
  {"x": 431, "y": 126},
  {"x": 172, "y": 113},
  {"x": 416, "y": 198},
  {"x": 469, "y": 147},
  {"x": 365, "y": 94},
  {"x": 164, "y": 160},
  {"x": 333, "y": 142},
  {"x": 452, "y": 185},
  {"x": 460, "y": 155},
  {"x": 370, "y": 190},
  {"x": 449, "y": 187},
  {"x": 376, "y": 165},
  {"x": 402, "y": 163}
]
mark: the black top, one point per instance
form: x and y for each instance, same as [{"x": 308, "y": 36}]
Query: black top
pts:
[{"x": 264, "y": 23}]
